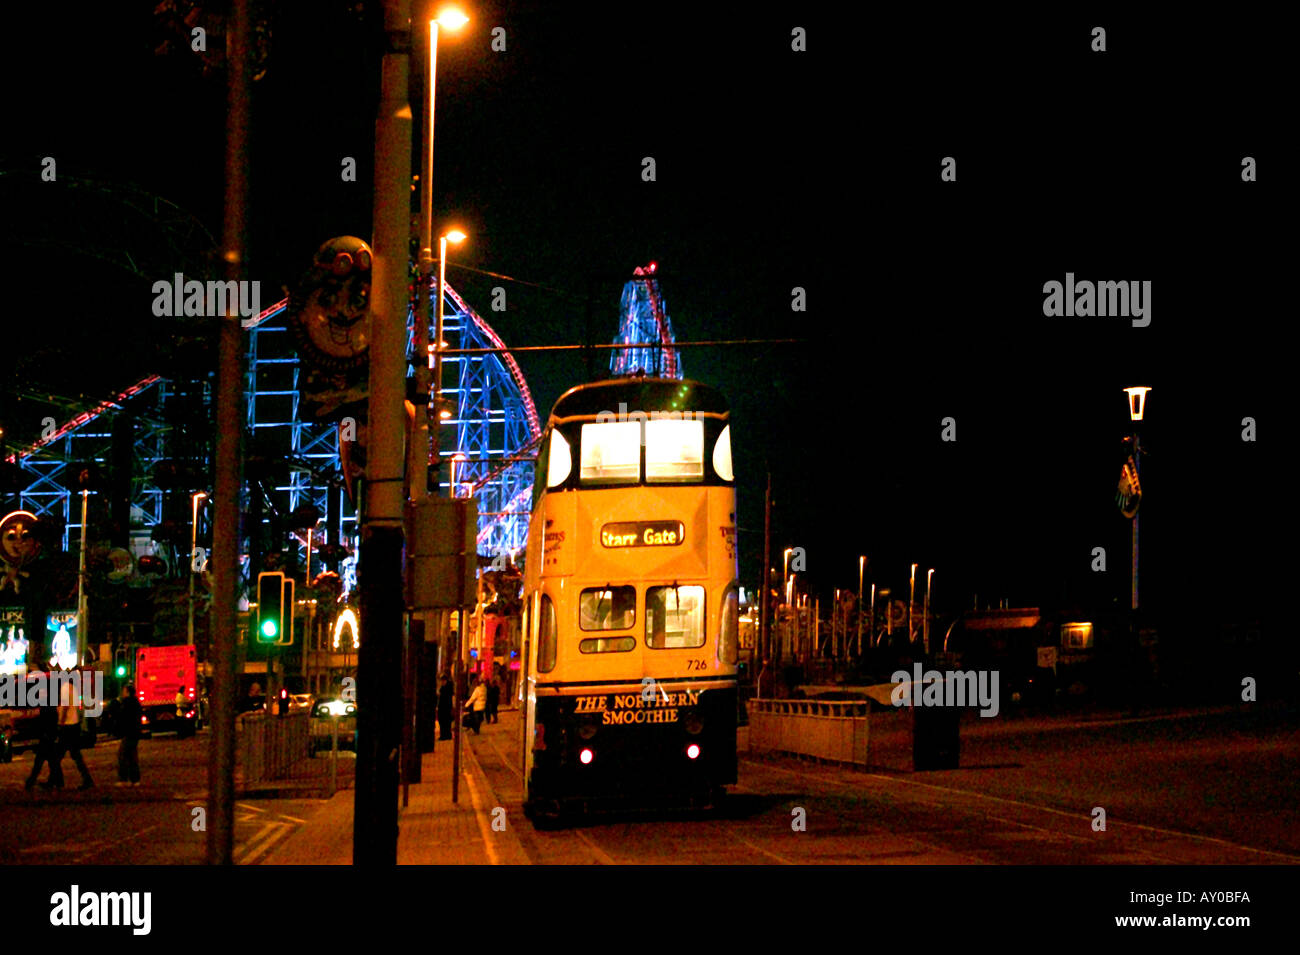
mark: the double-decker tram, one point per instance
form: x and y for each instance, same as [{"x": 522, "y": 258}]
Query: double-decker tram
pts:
[{"x": 631, "y": 599}]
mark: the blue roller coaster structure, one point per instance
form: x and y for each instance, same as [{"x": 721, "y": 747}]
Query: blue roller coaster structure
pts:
[
  {"x": 494, "y": 425},
  {"x": 644, "y": 321}
]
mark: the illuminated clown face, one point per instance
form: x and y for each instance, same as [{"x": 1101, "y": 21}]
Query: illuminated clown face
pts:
[{"x": 18, "y": 543}]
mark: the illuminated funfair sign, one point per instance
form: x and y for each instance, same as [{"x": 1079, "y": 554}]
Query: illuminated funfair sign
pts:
[
  {"x": 13, "y": 649},
  {"x": 63, "y": 645},
  {"x": 347, "y": 620}
]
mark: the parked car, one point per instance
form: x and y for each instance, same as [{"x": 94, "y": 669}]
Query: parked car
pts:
[{"x": 324, "y": 708}]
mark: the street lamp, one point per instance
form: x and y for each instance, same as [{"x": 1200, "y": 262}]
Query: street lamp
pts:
[
  {"x": 421, "y": 454},
  {"x": 872, "y": 627},
  {"x": 925, "y": 623},
  {"x": 194, "y": 537},
  {"x": 456, "y": 237},
  {"x": 862, "y": 565},
  {"x": 457, "y": 457},
  {"x": 911, "y": 600},
  {"x": 1130, "y": 487}
]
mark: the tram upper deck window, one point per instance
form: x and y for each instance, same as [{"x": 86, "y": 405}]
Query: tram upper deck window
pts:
[
  {"x": 607, "y": 608},
  {"x": 674, "y": 617},
  {"x": 674, "y": 450},
  {"x": 610, "y": 453}
]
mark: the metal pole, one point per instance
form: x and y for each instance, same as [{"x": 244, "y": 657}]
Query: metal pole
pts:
[
  {"x": 911, "y": 601},
  {"x": 461, "y": 512},
  {"x": 81, "y": 586},
  {"x": 925, "y": 614},
  {"x": 871, "y": 630},
  {"x": 1134, "y": 582},
  {"x": 379, "y": 668},
  {"x": 229, "y": 427},
  {"x": 764, "y": 635},
  {"x": 862, "y": 565},
  {"x": 194, "y": 538}
]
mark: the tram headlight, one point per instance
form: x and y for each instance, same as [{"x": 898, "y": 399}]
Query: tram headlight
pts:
[
  {"x": 586, "y": 756},
  {"x": 722, "y": 455},
  {"x": 693, "y": 751},
  {"x": 729, "y": 628}
]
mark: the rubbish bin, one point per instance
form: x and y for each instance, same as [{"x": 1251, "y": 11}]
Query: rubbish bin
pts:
[{"x": 936, "y": 737}]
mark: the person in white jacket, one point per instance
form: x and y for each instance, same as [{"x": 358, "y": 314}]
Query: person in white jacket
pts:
[{"x": 476, "y": 706}]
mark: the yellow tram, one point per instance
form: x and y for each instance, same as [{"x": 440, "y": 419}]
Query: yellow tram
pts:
[{"x": 631, "y": 599}]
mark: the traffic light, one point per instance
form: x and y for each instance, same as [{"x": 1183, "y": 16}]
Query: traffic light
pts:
[
  {"x": 270, "y": 606},
  {"x": 286, "y": 614},
  {"x": 283, "y": 709}
]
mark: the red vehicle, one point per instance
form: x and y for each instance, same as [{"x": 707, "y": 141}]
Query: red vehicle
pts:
[{"x": 161, "y": 673}]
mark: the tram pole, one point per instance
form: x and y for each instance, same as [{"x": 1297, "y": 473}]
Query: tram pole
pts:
[
  {"x": 379, "y": 669},
  {"x": 229, "y": 428},
  {"x": 764, "y": 630}
]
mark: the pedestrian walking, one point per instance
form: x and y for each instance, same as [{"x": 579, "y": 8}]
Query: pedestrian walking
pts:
[
  {"x": 445, "y": 705},
  {"x": 493, "y": 700},
  {"x": 70, "y": 730},
  {"x": 476, "y": 706},
  {"x": 128, "y": 755},
  {"x": 47, "y": 749}
]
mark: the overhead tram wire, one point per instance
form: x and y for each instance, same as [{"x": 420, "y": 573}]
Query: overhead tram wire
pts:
[{"x": 651, "y": 344}]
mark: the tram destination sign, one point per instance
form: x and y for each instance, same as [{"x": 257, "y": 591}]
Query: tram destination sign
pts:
[{"x": 643, "y": 534}]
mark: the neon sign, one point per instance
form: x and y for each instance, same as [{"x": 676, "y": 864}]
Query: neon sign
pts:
[{"x": 643, "y": 534}]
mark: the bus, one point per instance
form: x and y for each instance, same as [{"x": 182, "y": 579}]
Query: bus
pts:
[{"x": 631, "y": 600}]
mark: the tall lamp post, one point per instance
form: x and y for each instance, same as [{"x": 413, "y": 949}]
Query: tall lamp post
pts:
[
  {"x": 925, "y": 621},
  {"x": 871, "y": 627},
  {"x": 194, "y": 538},
  {"x": 451, "y": 19},
  {"x": 911, "y": 602},
  {"x": 862, "y": 566},
  {"x": 1130, "y": 488},
  {"x": 82, "y": 605},
  {"x": 455, "y": 236}
]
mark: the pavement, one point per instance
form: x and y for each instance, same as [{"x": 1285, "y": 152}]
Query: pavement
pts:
[{"x": 432, "y": 830}]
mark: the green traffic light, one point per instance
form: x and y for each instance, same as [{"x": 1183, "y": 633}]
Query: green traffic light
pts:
[
  {"x": 269, "y": 628},
  {"x": 121, "y": 670}
]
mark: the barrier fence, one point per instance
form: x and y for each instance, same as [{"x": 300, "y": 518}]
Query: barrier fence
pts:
[
  {"x": 836, "y": 730},
  {"x": 271, "y": 746}
]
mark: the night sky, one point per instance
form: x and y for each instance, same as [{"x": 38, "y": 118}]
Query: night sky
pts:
[{"x": 776, "y": 169}]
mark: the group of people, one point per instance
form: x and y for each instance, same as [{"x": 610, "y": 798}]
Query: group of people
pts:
[
  {"x": 60, "y": 735},
  {"x": 481, "y": 706}
]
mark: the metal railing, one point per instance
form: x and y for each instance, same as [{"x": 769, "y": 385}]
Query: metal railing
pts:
[
  {"x": 835, "y": 730},
  {"x": 270, "y": 746}
]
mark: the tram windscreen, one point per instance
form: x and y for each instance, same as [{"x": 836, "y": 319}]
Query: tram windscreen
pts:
[
  {"x": 674, "y": 617},
  {"x": 674, "y": 450},
  {"x": 611, "y": 452},
  {"x": 607, "y": 608}
]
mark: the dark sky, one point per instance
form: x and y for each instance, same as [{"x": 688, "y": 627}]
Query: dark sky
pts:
[{"x": 775, "y": 169}]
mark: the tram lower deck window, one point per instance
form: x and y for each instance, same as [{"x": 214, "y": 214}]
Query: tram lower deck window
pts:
[
  {"x": 607, "y": 608},
  {"x": 674, "y": 617}
]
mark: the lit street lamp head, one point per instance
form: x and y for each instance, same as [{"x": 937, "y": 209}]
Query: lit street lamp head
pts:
[
  {"x": 451, "y": 19},
  {"x": 1137, "y": 399}
]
